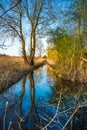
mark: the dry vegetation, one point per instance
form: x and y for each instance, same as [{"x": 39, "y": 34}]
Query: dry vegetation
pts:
[{"x": 12, "y": 69}]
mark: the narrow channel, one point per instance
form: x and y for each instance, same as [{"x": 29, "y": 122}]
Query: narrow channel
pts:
[{"x": 33, "y": 102}]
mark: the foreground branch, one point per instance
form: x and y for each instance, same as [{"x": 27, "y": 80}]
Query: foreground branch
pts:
[
  {"x": 78, "y": 107},
  {"x": 45, "y": 127}
]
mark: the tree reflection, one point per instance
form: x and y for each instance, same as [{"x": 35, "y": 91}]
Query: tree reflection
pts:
[
  {"x": 32, "y": 118},
  {"x": 37, "y": 109},
  {"x": 22, "y": 93},
  {"x": 73, "y": 95},
  {"x": 72, "y": 92}
]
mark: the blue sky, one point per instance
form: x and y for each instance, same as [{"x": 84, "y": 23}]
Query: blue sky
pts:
[{"x": 15, "y": 49}]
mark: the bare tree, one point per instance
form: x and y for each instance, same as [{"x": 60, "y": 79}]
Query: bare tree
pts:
[
  {"x": 29, "y": 19},
  {"x": 38, "y": 13},
  {"x": 12, "y": 23}
]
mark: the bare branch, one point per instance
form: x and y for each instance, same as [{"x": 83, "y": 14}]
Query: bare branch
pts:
[
  {"x": 78, "y": 106},
  {"x": 45, "y": 127},
  {"x": 10, "y": 9}
]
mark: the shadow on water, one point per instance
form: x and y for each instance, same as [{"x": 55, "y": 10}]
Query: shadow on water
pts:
[{"x": 39, "y": 97}]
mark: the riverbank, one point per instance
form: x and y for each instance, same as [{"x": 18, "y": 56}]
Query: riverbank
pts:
[
  {"x": 78, "y": 75},
  {"x": 12, "y": 69}
]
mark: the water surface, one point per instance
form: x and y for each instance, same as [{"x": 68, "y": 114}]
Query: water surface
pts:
[{"x": 37, "y": 97}]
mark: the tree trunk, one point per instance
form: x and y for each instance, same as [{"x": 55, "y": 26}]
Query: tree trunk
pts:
[
  {"x": 79, "y": 33},
  {"x": 31, "y": 60},
  {"x": 22, "y": 39},
  {"x": 24, "y": 52},
  {"x": 32, "y": 48}
]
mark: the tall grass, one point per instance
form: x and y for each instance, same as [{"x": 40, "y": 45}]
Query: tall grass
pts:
[{"x": 10, "y": 69}]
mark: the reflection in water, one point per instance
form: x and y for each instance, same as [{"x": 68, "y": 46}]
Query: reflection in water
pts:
[
  {"x": 35, "y": 98},
  {"x": 22, "y": 94},
  {"x": 25, "y": 101},
  {"x": 32, "y": 117},
  {"x": 73, "y": 95}
]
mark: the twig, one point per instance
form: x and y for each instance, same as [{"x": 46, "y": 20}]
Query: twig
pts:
[
  {"x": 19, "y": 125},
  {"x": 45, "y": 127},
  {"x": 79, "y": 106},
  {"x": 9, "y": 125},
  {"x": 70, "y": 118},
  {"x": 5, "y": 116},
  {"x": 10, "y": 8},
  {"x": 21, "y": 120}
]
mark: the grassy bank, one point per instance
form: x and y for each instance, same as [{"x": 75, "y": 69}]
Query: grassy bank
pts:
[{"x": 13, "y": 68}]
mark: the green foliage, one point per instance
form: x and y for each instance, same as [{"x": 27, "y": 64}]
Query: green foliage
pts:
[
  {"x": 65, "y": 51},
  {"x": 53, "y": 54},
  {"x": 61, "y": 43}
]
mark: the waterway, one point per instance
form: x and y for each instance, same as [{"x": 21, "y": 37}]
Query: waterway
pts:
[{"x": 41, "y": 101}]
